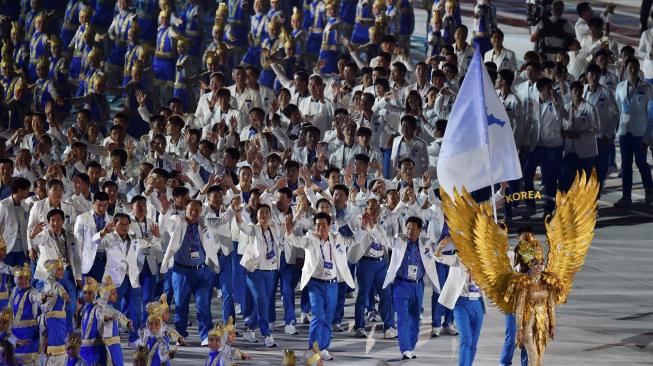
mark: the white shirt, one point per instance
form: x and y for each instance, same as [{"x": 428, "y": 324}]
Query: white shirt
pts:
[
  {"x": 505, "y": 59},
  {"x": 321, "y": 112},
  {"x": 325, "y": 260}
]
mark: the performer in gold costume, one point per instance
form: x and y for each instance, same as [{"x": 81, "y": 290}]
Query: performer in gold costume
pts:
[{"x": 532, "y": 293}]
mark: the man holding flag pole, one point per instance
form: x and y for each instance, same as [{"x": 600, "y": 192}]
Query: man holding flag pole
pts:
[{"x": 478, "y": 150}]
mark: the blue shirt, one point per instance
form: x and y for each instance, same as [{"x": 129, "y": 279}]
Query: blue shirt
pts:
[
  {"x": 411, "y": 257},
  {"x": 99, "y": 222},
  {"x": 191, "y": 252},
  {"x": 5, "y": 191}
]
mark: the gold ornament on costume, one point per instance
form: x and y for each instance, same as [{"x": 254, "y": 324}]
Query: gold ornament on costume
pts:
[
  {"x": 482, "y": 246},
  {"x": 315, "y": 357},
  {"x": 6, "y": 315},
  {"x": 74, "y": 341},
  {"x": 164, "y": 302},
  {"x": 154, "y": 314},
  {"x": 91, "y": 285},
  {"x": 25, "y": 270},
  {"x": 95, "y": 53},
  {"x": 3, "y": 245}
]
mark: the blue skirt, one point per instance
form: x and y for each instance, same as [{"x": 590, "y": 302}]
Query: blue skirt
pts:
[
  {"x": 75, "y": 67},
  {"x": 267, "y": 78},
  {"x": 253, "y": 57},
  {"x": 331, "y": 58},
  {"x": 117, "y": 56},
  {"x": 314, "y": 43},
  {"x": 164, "y": 69}
]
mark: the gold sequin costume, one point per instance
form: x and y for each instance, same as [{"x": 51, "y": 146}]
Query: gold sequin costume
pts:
[{"x": 482, "y": 246}]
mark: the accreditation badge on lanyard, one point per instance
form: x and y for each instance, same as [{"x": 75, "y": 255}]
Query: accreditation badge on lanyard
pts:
[
  {"x": 195, "y": 247},
  {"x": 269, "y": 249},
  {"x": 328, "y": 264}
]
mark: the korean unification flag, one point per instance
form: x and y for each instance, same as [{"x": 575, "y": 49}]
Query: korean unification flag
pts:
[{"x": 478, "y": 148}]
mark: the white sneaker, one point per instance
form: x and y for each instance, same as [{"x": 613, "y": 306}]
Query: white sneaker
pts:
[
  {"x": 205, "y": 343},
  {"x": 412, "y": 355},
  {"x": 238, "y": 310},
  {"x": 360, "y": 333},
  {"x": 390, "y": 333},
  {"x": 338, "y": 328},
  {"x": 272, "y": 326},
  {"x": 250, "y": 336},
  {"x": 219, "y": 294},
  {"x": 290, "y": 329},
  {"x": 326, "y": 355},
  {"x": 435, "y": 331},
  {"x": 371, "y": 316},
  {"x": 406, "y": 355},
  {"x": 450, "y": 330},
  {"x": 304, "y": 319},
  {"x": 269, "y": 342}
]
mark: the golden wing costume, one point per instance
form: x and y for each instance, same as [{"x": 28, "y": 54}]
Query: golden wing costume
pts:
[{"x": 482, "y": 247}]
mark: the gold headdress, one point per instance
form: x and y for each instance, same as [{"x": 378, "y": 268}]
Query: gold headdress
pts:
[
  {"x": 53, "y": 264},
  {"x": 315, "y": 357},
  {"x": 529, "y": 249},
  {"x": 91, "y": 285},
  {"x": 221, "y": 13},
  {"x": 74, "y": 341},
  {"x": 380, "y": 4},
  {"x": 154, "y": 313},
  {"x": 217, "y": 331},
  {"x": 87, "y": 11},
  {"x": 229, "y": 327},
  {"x": 183, "y": 41},
  {"x": 39, "y": 17},
  {"x": 211, "y": 58},
  {"x": 289, "y": 358},
  {"x": 134, "y": 27},
  {"x": 331, "y": 4},
  {"x": 296, "y": 14},
  {"x": 16, "y": 29},
  {"x": 54, "y": 41},
  {"x": 164, "y": 303},
  {"x": 95, "y": 53},
  {"x": 43, "y": 63},
  {"x": 165, "y": 12},
  {"x": 107, "y": 287},
  {"x": 6, "y": 315},
  {"x": 24, "y": 271}
]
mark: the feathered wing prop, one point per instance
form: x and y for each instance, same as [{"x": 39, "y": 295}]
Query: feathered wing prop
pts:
[
  {"x": 571, "y": 230},
  {"x": 482, "y": 247}
]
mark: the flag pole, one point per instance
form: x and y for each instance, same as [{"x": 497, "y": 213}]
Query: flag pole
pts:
[{"x": 494, "y": 204}]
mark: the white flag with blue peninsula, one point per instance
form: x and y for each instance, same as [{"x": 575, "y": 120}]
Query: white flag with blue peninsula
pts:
[{"x": 478, "y": 148}]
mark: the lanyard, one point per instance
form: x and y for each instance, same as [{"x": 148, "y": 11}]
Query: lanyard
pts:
[
  {"x": 143, "y": 233},
  {"x": 330, "y": 252},
  {"x": 267, "y": 244}
]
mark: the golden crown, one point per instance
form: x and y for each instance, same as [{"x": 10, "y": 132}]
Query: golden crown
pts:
[
  {"x": 529, "y": 249},
  {"x": 229, "y": 327},
  {"x": 316, "y": 357},
  {"x": 91, "y": 285},
  {"x": 54, "y": 41},
  {"x": 16, "y": 28},
  {"x": 107, "y": 286},
  {"x": 217, "y": 331},
  {"x": 222, "y": 11},
  {"x": 289, "y": 358},
  {"x": 154, "y": 314},
  {"x": 53, "y": 264},
  {"x": 43, "y": 63},
  {"x": 23, "y": 271},
  {"x": 296, "y": 14},
  {"x": 87, "y": 11}
]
